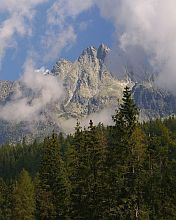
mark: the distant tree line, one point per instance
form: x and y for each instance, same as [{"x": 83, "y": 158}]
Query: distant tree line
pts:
[{"x": 125, "y": 171}]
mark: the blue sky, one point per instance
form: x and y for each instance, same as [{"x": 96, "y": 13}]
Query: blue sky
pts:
[
  {"x": 89, "y": 28},
  {"x": 142, "y": 34}
]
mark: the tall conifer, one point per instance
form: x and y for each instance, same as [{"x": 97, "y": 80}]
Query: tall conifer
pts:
[
  {"x": 54, "y": 202},
  {"x": 5, "y": 200},
  {"x": 124, "y": 158},
  {"x": 90, "y": 179},
  {"x": 24, "y": 205}
]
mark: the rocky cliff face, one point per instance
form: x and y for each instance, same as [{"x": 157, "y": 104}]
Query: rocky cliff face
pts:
[
  {"x": 89, "y": 87},
  {"x": 153, "y": 102}
]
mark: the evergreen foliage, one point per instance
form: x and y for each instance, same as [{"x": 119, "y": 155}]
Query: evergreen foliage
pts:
[
  {"x": 24, "y": 206},
  {"x": 124, "y": 171},
  {"x": 5, "y": 201},
  {"x": 54, "y": 187}
]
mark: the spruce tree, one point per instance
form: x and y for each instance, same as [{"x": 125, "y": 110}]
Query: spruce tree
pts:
[
  {"x": 126, "y": 117},
  {"x": 5, "y": 200},
  {"x": 90, "y": 180},
  {"x": 76, "y": 175},
  {"x": 97, "y": 146},
  {"x": 2, "y": 198},
  {"x": 123, "y": 173},
  {"x": 54, "y": 202},
  {"x": 24, "y": 205},
  {"x": 160, "y": 194},
  {"x": 135, "y": 178}
]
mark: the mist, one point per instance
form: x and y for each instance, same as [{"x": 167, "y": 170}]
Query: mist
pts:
[
  {"x": 104, "y": 116},
  {"x": 45, "y": 88}
]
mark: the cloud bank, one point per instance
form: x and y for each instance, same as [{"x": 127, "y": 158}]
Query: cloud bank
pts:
[
  {"x": 18, "y": 21},
  {"x": 58, "y": 33},
  {"x": 104, "y": 116},
  {"x": 145, "y": 37},
  {"x": 61, "y": 25},
  {"x": 45, "y": 88}
]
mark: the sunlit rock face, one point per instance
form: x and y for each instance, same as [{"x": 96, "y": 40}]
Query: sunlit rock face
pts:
[{"x": 89, "y": 87}]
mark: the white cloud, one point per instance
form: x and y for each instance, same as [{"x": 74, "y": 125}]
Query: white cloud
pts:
[
  {"x": 46, "y": 89},
  {"x": 85, "y": 24},
  {"x": 62, "y": 9},
  {"x": 60, "y": 33},
  {"x": 18, "y": 21},
  {"x": 57, "y": 36},
  {"x": 55, "y": 41},
  {"x": 145, "y": 33},
  {"x": 104, "y": 116}
]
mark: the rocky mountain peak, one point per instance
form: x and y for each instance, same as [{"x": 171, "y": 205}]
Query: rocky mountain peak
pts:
[
  {"x": 61, "y": 67},
  {"x": 88, "y": 56},
  {"x": 89, "y": 87},
  {"x": 102, "y": 51},
  {"x": 92, "y": 54},
  {"x": 89, "y": 51}
]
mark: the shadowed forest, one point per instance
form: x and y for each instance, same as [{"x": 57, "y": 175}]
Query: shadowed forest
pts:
[{"x": 125, "y": 171}]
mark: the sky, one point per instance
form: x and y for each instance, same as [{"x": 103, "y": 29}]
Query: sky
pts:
[
  {"x": 141, "y": 34},
  {"x": 87, "y": 28}
]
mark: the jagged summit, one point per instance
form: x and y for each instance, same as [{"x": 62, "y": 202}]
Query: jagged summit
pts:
[
  {"x": 102, "y": 51},
  {"x": 89, "y": 55},
  {"x": 89, "y": 88},
  {"x": 89, "y": 51},
  {"x": 93, "y": 52},
  {"x": 88, "y": 82}
]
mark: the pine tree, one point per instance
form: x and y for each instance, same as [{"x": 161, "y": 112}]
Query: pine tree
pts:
[
  {"x": 75, "y": 169},
  {"x": 45, "y": 208},
  {"x": 89, "y": 182},
  {"x": 2, "y": 198},
  {"x": 24, "y": 198},
  {"x": 124, "y": 163},
  {"x": 97, "y": 146},
  {"x": 126, "y": 117},
  {"x": 54, "y": 202},
  {"x": 121, "y": 133},
  {"x": 5, "y": 202},
  {"x": 136, "y": 175},
  {"x": 160, "y": 194}
]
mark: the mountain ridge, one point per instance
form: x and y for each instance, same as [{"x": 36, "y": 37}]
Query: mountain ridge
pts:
[{"x": 89, "y": 87}]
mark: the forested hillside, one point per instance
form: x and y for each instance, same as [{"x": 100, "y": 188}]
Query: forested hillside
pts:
[{"x": 124, "y": 171}]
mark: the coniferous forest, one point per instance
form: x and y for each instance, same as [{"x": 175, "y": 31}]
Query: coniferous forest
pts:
[{"x": 124, "y": 171}]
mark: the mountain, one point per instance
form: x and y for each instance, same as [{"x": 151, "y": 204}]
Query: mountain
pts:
[{"x": 89, "y": 87}]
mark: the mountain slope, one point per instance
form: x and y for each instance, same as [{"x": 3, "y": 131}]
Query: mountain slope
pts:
[{"x": 89, "y": 87}]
